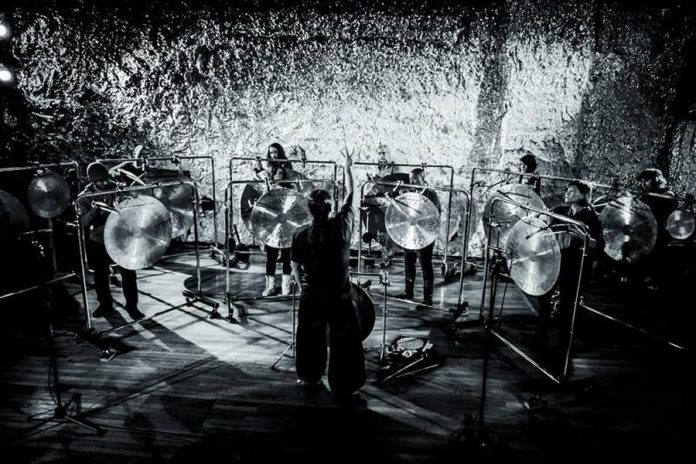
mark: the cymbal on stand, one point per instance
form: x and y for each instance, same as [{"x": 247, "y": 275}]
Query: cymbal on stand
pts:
[
  {"x": 178, "y": 199},
  {"x": 505, "y": 214},
  {"x": 13, "y": 217},
  {"x": 277, "y": 215},
  {"x": 681, "y": 224},
  {"x": 412, "y": 221},
  {"x": 48, "y": 194},
  {"x": 139, "y": 233},
  {"x": 629, "y": 228},
  {"x": 534, "y": 255}
]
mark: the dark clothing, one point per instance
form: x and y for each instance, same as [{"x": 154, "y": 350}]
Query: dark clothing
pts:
[
  {"x": 100, "y": 262},
  {"x": 97, "y": 256},
  {"x": 346, "y": 362},
  {"x": 425, "y": 258},
  {"x": 323, "y": 251},
  {"x": 661, "y": 208},
  {"x": 569, "y": 276},
  {"x": 657, "y": 266},
  {"x": 272, "y": 259},
  {"x": 94, "y": 230}
]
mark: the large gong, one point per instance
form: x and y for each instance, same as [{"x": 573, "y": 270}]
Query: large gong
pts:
[
  {"x": 254, "y": 190},
  {"x": 364, "y": 309},
  {"x": 277, "y": 215}
]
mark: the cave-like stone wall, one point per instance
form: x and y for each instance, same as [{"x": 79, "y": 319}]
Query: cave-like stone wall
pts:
[{"x": 587, "y": 87}]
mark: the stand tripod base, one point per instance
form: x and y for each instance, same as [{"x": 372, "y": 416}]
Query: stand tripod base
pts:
[
  {"x": 476, "y": 442},
  {"x": 284, "y": 354},
  {"x": 60, "y": 415}
]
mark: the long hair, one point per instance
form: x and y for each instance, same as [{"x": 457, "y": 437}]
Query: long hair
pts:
[
  {"x": 319, "y": 208},
  {"x": 582, "y": 188},
  {"x": 275, "y": 162},
  {"x": 530, "y": 162}
]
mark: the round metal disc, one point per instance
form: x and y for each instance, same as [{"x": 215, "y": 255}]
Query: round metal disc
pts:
[
  {"x": 178, "y": 199},
  {"x": 13, "y": 216},
  {"x": 412, "y": 221},
  {"x": 506, "y": 215},
  {"x": 277, "y": 215},
  {"x": 630, "y": 229},
  {"x": 534, "y": 256},
  {"x": 48, "y": 194},
  {"x": 681, "y": 224},
  {"x": 139, "y": 233},
  {"x": 365, "y": 310}
]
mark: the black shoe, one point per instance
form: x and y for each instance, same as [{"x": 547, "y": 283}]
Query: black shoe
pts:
[
  {"x": 102, "y": 311},
  {"x": 135, "y": 314},
  {"x": 404, "y": 296},
  {"x": 312, "y": 387},
  {"x": 428, "y": 301},
  {"x": 353, "y": 400}
]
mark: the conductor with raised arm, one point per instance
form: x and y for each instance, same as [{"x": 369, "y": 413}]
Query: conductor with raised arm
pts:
[{"x": 320, "y": 257}]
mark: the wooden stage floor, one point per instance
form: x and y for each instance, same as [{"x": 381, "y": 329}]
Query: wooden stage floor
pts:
[{"x": 184, "y": 386}]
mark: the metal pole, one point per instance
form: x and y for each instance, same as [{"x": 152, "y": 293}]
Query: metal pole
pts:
[
  {"x": 195, "y": 198},
  {"x": 82, "y": 248}
]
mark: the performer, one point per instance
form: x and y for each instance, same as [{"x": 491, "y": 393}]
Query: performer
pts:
[
  {"x": 661, "y": 199},
  {"x": 374, "y": 204},
  {"x": 424, "y": 255},
  {"x": 320, "y": 257},
  {"x": 528, "y": 165},
  {"x": 93, "y": 219},
  {"x": 277, "y": 170},
  {"x": 571, "y": 239}
]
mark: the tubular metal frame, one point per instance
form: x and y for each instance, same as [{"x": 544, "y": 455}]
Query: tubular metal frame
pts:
[
  {"x": 576, "y": 300},
  {"x": 449, "y": 190},
  {"x": 593, "y": 187},
  {"x": 37, "y": 167},
  {"x": 465, "y": 240},
  {"x": 191, "y": 296},
  {"x": 229, "y": 226},
  {"x": 287, "y": 161},
  {"x": 177, "y": 160}
]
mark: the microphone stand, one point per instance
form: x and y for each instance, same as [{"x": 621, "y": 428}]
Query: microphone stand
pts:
[
  {"x": 61, "y": 412},
  {"x": 474, "y": 433}
]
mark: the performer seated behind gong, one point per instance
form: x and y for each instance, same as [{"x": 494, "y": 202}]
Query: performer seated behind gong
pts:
[
  {"x": 424, "y": 255},
  {"x": 320, "y": 256},
  {"x": 93, "y": 219},
  {"x": 570, "y": 239},
  {"x": 278, "y": 173}
]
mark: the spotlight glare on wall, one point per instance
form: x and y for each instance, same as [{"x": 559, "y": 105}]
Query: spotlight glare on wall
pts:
[
  {"x": 6, "y": 76},
  {"x": 4, "y": 27}
]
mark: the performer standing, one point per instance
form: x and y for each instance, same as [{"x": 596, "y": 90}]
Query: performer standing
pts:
[
  {"x": 528, "y": 165},
  {"x": 93, "y": 219},
  {"x": 661, "y": 199},
  {"x": 571, "y": 241},
  {"x": 320, "y": 257},
  {"x": 424, "y": 255},
  {"x": 276, "y": 169}
]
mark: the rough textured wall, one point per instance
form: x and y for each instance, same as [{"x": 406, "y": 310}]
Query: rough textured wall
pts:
[{"x": 585, "y": 86}]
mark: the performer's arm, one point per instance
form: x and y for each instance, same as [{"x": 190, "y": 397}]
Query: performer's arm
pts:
[
  {"x": 348, "y": 171},
  {"x": 88, "y": 212}
]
